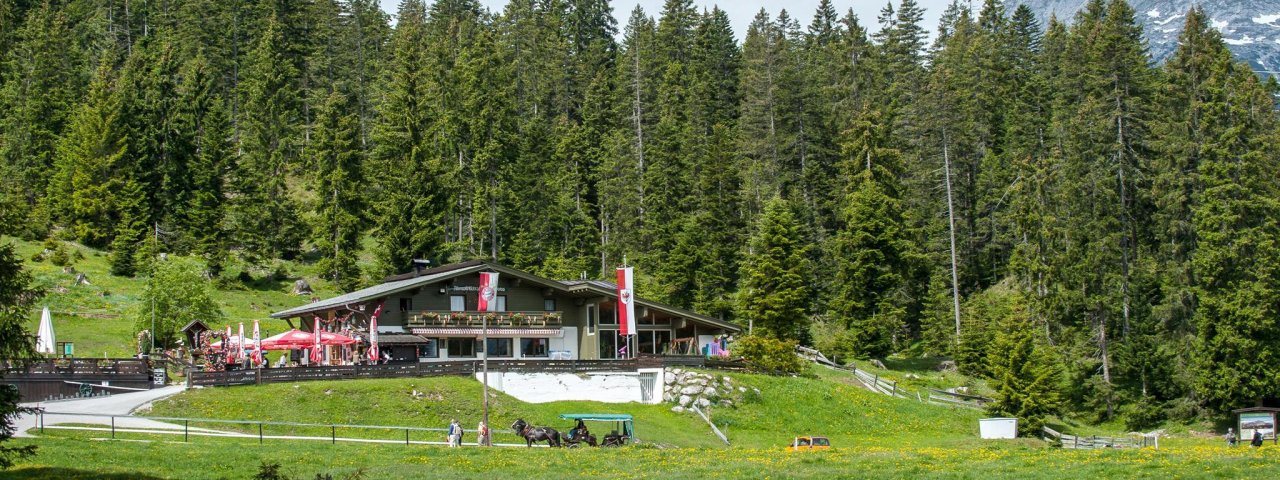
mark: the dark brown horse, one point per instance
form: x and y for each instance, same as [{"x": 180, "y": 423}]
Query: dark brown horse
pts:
[{"x": 536, "y": 434}]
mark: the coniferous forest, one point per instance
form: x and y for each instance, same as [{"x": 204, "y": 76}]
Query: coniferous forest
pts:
[{"x": 1034, "y": 202}]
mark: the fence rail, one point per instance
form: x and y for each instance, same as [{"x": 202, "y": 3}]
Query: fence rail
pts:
[
  {"x": 429, "y": 369},
  {"x": 1092, "y": 442},
  {"x": 78, "y": 366},
  {"x": 942, "y": 397}
]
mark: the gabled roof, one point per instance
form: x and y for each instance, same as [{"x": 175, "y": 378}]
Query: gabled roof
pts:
[
  {"x": 399, "y": 283},
  {"x": 608, "y": 289}
]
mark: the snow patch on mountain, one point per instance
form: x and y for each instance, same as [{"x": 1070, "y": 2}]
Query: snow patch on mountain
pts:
[{"x": 1248, "y": 27}]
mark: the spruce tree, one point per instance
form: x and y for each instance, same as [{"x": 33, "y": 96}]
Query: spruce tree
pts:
[
  {"x": 408, "y": 180},
  {"x": 338, "y": 180},
  {"x": 130, "y": 229},
  {"x": 773, "y": 294},
  {"x": 1025, "y": 375},
  {"x": 92, "y": 165},
  {"x": 262, "y": 214}
]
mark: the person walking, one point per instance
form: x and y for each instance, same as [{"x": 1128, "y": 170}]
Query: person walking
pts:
[
  {"x": 482, "y": 435},
  {"x": 455, "y": 433},
  {"x": 1257, "y": 438}
]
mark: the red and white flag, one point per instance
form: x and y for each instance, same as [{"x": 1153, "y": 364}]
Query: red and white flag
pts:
[
  {"x": 227, "y": 353},
  {"x": 373, "y": 335},
  {"x": 626, "y": 301},
  {"x": 488, "y": 292},
  {"x": 257, "y": 344},
  {"x": 240, "y": 343},
  {"x": 315, "y": 349}
]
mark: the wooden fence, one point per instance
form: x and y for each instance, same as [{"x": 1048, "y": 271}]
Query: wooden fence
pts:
[
  {"x": 428, "y": 369},
  {"x": 942, "y": 397},
  {"x": 1092, "y": 442}
]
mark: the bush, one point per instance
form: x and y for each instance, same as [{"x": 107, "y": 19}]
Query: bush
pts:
[
  {"x": 769, "y": 355},
  {"x": 60, "y": 257},
  {"x": 1142, "y": 414}
]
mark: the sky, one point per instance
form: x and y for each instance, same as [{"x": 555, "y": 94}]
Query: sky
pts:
[{"x": 741, "y": 12}]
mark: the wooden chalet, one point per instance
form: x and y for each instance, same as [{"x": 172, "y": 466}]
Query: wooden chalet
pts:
[{"x": 430, "y": 315}]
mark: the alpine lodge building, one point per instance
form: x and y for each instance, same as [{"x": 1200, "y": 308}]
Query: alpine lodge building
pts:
[{"x": 434, "y": 314}]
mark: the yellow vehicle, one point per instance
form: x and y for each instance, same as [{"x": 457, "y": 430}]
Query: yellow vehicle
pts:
[{"x": 802, "y": 444}]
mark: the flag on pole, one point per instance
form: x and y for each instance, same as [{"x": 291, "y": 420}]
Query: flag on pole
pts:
[
  {"x": 626, "y": 301},
  {"x": 257, "y": 344},
  {"x": 240, "y": 343},
  {"x": 44, "y": 338},
  {"x": 373, "y": 335},
  {"x": 488, "y": 292},
  {"x": 315, "y": 349}
]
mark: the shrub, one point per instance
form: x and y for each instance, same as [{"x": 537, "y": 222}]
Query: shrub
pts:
[
  {"x": 1142, "y": 414},
  {"x": 60, "y": 257},
  {"x": 769, "y": 355}
]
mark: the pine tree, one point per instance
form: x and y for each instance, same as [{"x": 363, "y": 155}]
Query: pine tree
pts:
[
  {"x": 773, "y": 292},
  {"x": 130, "y": 230},
  {"x": 204, "y": 115},
  {"x": 42, "y": 76},
  {"x": 1025, "y": 375},
  {"x": 408, "y": 180},
  {"x": 336, "y": 165},
  {"x": 92, "y": 165},
  {"x": 262, "y": 215}
]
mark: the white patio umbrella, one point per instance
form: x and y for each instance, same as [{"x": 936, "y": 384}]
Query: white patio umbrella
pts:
[{"x": 44, "y": 337}]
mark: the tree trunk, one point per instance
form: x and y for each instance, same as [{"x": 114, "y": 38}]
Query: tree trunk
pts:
[{"x": 951, "y": 222}]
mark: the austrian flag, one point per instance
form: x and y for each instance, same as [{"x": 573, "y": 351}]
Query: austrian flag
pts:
[
  {"x": 488, "y": 292},
  {"x": 626, "y": 301}
]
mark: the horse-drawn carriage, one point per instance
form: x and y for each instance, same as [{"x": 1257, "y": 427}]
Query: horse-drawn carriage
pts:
[{"x": 624, "y": 431}]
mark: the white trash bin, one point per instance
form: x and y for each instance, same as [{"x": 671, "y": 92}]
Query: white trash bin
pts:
[{"x": 997, "y": 428}]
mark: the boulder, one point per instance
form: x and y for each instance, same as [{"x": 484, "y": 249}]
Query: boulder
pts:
[
  {"x": 698, "y": 381},
  {"x": 677, "y": 409},
  {"x": 878, "y": 364},
  {"x": 669, "y": 378},
  {"x": 685, "y": 400},
  {"x": 702, "y": 402},
  {"x": 726, "y": 380},
  {"x": 691, "y": 389},
  {"x": 668, "y": 397},
  {"x": 711, "y": 392},
  {"x": 947, "y": 366},
  {"x": 742, "y": 389},
  {"x": 726, "y": 402},
  {"x": 301, "y": 287},
  {"x": 82, "y": 279},
  {"x": 677, "y": 371}
]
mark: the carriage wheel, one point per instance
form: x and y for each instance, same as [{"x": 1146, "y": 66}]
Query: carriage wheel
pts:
[{"x": 570, "y": 444}]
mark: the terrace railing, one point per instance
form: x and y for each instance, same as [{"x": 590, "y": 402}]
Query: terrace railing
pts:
[
  {"x": 402, "y": 370},
  {"x": 445, "y": 318},
  {"x": 78, "y": 366}
]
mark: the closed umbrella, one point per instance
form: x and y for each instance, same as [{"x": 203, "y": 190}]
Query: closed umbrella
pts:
[{"x": 44, "y": 337}]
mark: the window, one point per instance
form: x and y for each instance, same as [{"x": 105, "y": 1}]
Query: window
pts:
[
  {"x": 610, "y": 344},
  {"x": 548, "y": 304},
  {"x": 406, "y": 304},
  {"x": 457, "y": 303},
  {"x": 610, "y": 318},
  {"x": 591, "y": 319},
  {"x": 534, "y": 347},
  {"x": 431, "y": 349},
  {"x": 499, "y": 347},
  {"x": 661, "y": 341},
  {"x": 462, "y": 347},
  {"x": 502, "y": 303}
]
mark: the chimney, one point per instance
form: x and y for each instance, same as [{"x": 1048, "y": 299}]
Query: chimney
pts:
[{"x": 419, "y": 265}]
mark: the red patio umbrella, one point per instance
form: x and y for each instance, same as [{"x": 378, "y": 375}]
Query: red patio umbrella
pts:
[{"x": 297, "y": 340}]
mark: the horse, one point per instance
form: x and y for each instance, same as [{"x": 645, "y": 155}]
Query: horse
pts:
[{"x": 536, "y": 434}]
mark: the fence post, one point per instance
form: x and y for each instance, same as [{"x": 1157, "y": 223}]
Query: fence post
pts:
[
  {"x": 259, "y": 433},
  {"x": 113, "y": 427},
  {"x": 333, "y": 433},
  {"x": 895, "y": 390},
  {"x": 41, "y": 420},
  {"x": 186, "y": 430},
  {"x": 406, "y": 436}
]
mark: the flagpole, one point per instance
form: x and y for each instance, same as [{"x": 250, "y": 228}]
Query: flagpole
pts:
[{"x": 484, "y": 339}]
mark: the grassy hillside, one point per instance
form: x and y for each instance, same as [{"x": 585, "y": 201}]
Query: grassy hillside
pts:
[
  {"x": 73, "y": 455},
  {"x": 99, "y": 317},
  {"x": 786, "y": 407}
]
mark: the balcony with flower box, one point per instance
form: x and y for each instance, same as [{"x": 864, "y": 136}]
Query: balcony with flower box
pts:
[{"x": 444, "y": 323}]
